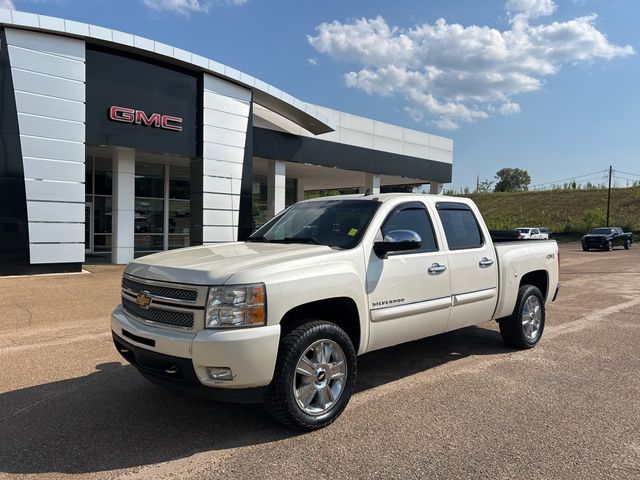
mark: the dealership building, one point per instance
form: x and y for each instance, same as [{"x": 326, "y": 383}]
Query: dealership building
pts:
[{"x": 117, "y": 146}]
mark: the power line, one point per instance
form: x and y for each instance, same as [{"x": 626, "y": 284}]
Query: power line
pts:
[
  {"x": 627, "y": 173},
  {"x": 601, "y": 172}
]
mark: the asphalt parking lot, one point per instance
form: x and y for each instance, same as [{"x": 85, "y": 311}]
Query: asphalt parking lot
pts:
[{"x": 459, "y": 405}]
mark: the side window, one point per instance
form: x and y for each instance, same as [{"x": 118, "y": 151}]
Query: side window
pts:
[
  {"x": 460, "y": 226},
  {"x": 414, "y": 217}
]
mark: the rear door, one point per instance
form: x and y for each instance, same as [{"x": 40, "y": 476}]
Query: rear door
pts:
[
  {"x": 472, "y": 263},
  {"x": 409, "y": 292}
]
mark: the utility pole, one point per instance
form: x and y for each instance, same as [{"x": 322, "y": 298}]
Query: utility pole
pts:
[
  {"x": 478, "y": 183},
  {"x": 609, "y": 194}
]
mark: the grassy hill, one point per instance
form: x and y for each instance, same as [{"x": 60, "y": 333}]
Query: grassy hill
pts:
[{"x": 563, "y": 211}]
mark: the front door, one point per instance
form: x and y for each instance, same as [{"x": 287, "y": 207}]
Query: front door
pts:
[
  {"x": 409, "y": 291},
  {"x": 88, "y": 227}
]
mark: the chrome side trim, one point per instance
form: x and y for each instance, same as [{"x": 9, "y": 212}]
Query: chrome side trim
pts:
[
  {"x": 470, "y": 297},
  {"x": 415, "y": 308}
]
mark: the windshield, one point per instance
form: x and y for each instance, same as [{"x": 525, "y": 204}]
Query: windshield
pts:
[
  {"x": 335, "y": 223},
  {"x": 601, "y": 231},
  {"x": 523, "y": 230}
]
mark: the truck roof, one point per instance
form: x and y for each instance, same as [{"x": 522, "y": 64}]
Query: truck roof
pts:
[{"x": 383, "y": 197}]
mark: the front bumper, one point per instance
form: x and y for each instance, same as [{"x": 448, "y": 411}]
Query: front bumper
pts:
[{"x": 250, "y": 353}]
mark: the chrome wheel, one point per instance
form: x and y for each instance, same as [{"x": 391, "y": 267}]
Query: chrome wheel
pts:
[
  {"x": 320, "y": 377},
  {"x": 532, "y": 317}
]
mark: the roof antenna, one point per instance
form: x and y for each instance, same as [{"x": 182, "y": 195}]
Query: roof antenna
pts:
[{"x": 368, "y": 192}]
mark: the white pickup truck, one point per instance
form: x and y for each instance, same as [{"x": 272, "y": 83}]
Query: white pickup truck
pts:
[{"x": 282, "y": 317}]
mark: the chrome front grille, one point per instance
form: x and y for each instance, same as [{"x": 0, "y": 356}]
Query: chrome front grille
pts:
[
  {"x": 159, "y": 315},
  {"x": 173, "y": 293},
  {"x": 164, "y": 304}
]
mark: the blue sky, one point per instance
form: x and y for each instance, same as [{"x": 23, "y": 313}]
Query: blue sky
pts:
[{"x": 550, "y": 86}]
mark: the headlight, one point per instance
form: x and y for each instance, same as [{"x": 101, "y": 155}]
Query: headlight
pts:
[{"x": 236, "y": 306}]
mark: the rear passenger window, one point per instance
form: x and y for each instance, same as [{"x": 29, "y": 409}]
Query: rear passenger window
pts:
[
  {"x": 414, "y": 217},
  {"x": 460, "y": 226}
]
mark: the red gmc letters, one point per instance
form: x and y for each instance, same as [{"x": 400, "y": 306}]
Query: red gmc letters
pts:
[{"x": 138, "y": 117}]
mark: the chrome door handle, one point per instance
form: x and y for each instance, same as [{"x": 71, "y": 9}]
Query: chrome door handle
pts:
[
  {"x": 436, "y": 268},
  {"x": 485, "y": 262}
]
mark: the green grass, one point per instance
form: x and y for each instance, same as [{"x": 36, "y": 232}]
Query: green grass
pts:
[{"x": 563, "y": 211}]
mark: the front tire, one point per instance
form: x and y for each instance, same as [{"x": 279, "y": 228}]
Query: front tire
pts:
[
  {"x": 610, "y": 246},
  {"x": 524, "y": 327},
  {"x": 627, "y": 244},
  {"x": 314, "y": 377}
]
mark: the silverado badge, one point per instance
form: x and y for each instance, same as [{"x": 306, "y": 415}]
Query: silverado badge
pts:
[{"x": 143, "y": 299}]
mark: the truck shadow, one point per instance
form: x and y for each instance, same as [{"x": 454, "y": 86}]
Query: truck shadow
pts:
[{"x": 114, "y": 419}]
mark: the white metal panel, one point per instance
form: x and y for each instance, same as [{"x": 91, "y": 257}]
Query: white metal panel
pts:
[
  {"x": 388, "y": 130},
  {"x": 223, "y": 152},
  {"x": 47, "y": 85},
  {"x": 143, "y": 43},
  {"x": 38, "y": 126},
  {"x": 52, "y": 149},
  {"x": 226, "y": 104},
  {"x": 49, "y": 106},
  {"x": 100, "y": 33},
  {"x": 219, "y": 234},
  {"x": 226, "y": 120},
  {"x": 47, "y": 43},
  {"x": 220, "y": 201},
  {"x": 222, "y": 169},
  {"x": 440, "y": 142},
  {"x": 385, "y": 144},
  {"x": 414, "y": 136},
  {"x": 218, "y": 217},
  {"x": 222, "y": 185},
  {"x": 56, "y": 232},
  {"x": 355, "y": 122},
  {"x": 54, "y": 191},
  {"x": 440, "y": 155},
  {"x": 356, "y": 138},
  {"x": 51, "y": 23},
  {"x": 414, "y": 150},
  {"x": 40, "y": 62},
  {"x": 26, "y": 19},
  {"x": 5, "y": 16},
  {"x": 44, "y": 169},
  {"x": 76, "y": 28},
  {"x": 222, "y": 87},
  {"x": 55, "y": 211},
  {"x": 224, "y": 136},
  {"x": 57, "y": 252},
  {"x": 123, "y": 38}
]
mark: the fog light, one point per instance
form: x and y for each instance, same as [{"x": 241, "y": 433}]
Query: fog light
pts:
[{"x": 220, "y": 373}]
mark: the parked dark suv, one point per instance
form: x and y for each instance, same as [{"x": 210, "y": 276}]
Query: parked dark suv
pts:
[{"x": 606, "y": 238}]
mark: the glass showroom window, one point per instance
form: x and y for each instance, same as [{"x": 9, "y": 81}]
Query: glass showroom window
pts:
[
  {"x": 149, "y": 207},
  {"x": 98, "y": 191},
  {"x": 179, "y": 207}
]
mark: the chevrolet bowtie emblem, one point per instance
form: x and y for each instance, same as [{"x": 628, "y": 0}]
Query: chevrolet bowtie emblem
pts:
[{"x": 143, "y": 299}]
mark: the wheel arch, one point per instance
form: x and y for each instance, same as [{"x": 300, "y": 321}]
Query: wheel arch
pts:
[
  {"x": 342, "y": 311},
  {"x": 539, "y": 279}
]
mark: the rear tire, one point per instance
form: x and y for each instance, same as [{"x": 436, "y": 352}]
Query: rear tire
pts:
[
  {"x": 585, "y": 249},
  {"x": 314, "y": 377},
  {"x": 524, "y": 327}
]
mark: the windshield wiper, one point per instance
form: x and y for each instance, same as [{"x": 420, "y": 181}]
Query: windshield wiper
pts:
[
  {"x": 258, "y": 239},
  {"x": 299, "y": 240}
]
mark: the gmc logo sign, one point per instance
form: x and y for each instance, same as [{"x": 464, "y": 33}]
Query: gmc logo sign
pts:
[{"x": 138, "y": 117}]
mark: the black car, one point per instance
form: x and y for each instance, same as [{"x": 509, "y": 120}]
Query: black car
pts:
[{"x": 606, "y": 238}]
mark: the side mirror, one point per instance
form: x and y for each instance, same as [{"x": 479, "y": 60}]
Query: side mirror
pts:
[{"x": 397, "y": 241}]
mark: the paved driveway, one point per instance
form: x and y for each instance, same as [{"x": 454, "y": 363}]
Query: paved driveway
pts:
[{"x": 460, "y": 405}]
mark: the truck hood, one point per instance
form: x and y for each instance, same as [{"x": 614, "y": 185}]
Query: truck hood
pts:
[
  {"x": 214, "y": 264},
  {"x": 596, "y": 236}
]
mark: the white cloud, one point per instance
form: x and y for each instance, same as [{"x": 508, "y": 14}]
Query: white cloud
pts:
[
  {"x": 531, "y": 8},
  {"x": 312, "y": 61},
  {"x": 8, "y": 4},
  {"x": 450, "y": 73},
  {"x": 186, "y": 7}
]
